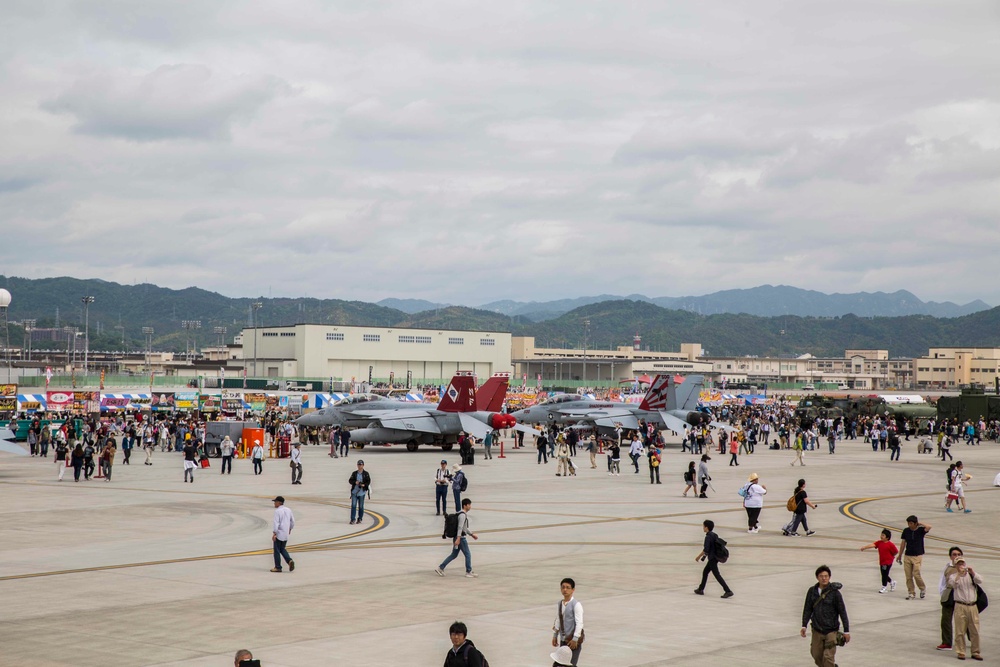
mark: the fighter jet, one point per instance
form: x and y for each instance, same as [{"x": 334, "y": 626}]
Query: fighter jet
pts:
[
  {"x": 7, "y": 443},
  {"x": 460, "y": 411},
  {"x": 667, "y": 405}
]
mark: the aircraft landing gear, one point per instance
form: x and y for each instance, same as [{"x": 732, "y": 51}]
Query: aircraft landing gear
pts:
[
  {"x": 447, "y": 448},
  {"x": 412, "y": 446}
]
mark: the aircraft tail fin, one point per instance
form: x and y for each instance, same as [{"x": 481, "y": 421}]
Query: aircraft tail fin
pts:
[
  {"x": 659, "y": 394},
  {"x": 689, "y": 391},
  {"x": 460, "y": 396},
  {"x": 492, "y": 394}
]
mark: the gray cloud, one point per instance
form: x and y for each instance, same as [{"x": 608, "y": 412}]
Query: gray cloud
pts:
[{"x": 558, "y": 150}]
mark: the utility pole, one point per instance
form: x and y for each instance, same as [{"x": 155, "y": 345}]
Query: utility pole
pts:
[
  {"x": 586, "y": 332},
  {"x": 28, "y": 326},
  {"x": 188, "y": 325},
  {"x": 4, "y": 304},
  {"x": 87, "y": 300},
  {"x": 148, "y": 333},
  {"x": 255, "y": 306}
]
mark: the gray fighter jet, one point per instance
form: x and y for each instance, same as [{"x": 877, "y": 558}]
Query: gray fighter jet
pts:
[{"x": 667, "y": 405}]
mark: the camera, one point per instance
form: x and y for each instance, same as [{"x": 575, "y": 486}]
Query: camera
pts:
[{"x": 249, "y": 663}]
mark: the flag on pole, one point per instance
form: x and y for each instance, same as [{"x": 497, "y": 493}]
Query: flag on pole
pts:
[
  {"x": 48, "y": 377},
  {"x": 102, "y": 380},
  {"x": 244, "y": 377}
]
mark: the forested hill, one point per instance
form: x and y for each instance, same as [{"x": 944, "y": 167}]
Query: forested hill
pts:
[{"x": 612, "y": 323}]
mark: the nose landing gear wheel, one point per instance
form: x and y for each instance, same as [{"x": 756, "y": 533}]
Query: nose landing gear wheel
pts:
[{"x": 412, "y": 446}]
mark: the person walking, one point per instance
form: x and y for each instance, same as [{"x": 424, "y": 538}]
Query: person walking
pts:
[
  {"x": 345, "y": 441},
  {"x": 463, "y": 653},
  {"x": 461, "y": 544},
  {"x": 689, "y": 477},
  {"x": 963, "y": 582},
  {"x": 734, "y": 448},
  {"x": 825, "y": 608},
  {"x": 958, "y": 480},
  {"x": 886, "y": 553},
  {"x": 149, "y": 445},
  {"x": 948, "y": 599},
  {"x": 44, "y": 440},
  {"x": 911, "y": 555},
  {"x": 654, "y": 458},
  {"x": 76, "y": 461},
  {"x": 281, "y": 530},
  {"x": 108, "y": 458},
  {"x": 88, "y": 461},
  {"x": 703, "y": 477},
  {"x": 458, "y": 484},
  {"x": 567, "y": 629},
  {"x": 227, "y": 448},
  {"x": 334, "y": 439},
  {"x": 295, "y": 463},
  {"x": 799, "y": 453},
  {"x": 635, "y": 451},
  {"x": 190, "y": 460},
  {"x": 802, "y": 503},
  {"x": 753, "y": 501},
  {"x": 257, "y": 456},
  {"x": 126, "y": 449},
  {"x": 562, "y": 458},
  {"x": 711, "y": 551},
  {"x": 541, "y": 444},
  {"x": 360, "y": 481},
  {"x": 491, "y": 437},
  {"x": 442, "y": 480},
  {"x": 615, "y": 458},
  {"x": 61, "y": 453},
  {"x": 894, "y": 446},
  {"x": 592, "y": 450}
]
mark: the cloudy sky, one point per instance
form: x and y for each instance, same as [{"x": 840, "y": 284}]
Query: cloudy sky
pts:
[{"x": 464, "y": 152}]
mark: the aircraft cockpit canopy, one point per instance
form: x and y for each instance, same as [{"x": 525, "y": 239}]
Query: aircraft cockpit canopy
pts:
[
  {"x": 357, "y": 398},
  {"x": 562, "y": 398}
]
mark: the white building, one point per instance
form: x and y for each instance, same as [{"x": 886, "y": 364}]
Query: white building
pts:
[{"x": 348, "y": 352}]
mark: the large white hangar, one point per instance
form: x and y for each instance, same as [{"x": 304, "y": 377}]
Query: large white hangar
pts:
[{"x": 430, "y": 356}]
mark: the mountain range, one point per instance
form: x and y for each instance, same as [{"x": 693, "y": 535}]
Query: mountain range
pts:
[{"x": 798, "y": 321}]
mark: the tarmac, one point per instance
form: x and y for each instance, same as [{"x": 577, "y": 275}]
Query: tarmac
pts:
[{"x": 147, "y": 570}]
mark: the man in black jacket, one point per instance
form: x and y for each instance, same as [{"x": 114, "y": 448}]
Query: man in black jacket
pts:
[
  {"x": 825, "y": 607},
  {"x": 359, "y": 480},
  {"x": 463, "y": 653},
  {"x": 710, "y": 551}
]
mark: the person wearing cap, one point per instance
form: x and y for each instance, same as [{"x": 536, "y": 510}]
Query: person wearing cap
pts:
[
  {"x": 359, "y": 480},
  {"x": 257, "y": 456},
  {"x": 284, "y": 522},
  {"x": 457, "y": 478},
  {"x": 296, "y": 463},
  {"x": 964, "y": 581},
  {"x": 442, "y": 480},
  {"x": 753, "y": 501}
]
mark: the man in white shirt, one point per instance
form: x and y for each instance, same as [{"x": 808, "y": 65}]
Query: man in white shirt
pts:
[
  {"x": 282, "y": 527},
  {"x": 635, "y": 451},
  {"x": 442, "y": 480},
  {"x": 296, "y": 463},
  {"x": 567, "y": 630}
]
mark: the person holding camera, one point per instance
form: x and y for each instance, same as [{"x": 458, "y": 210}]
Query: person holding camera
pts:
[
  {"x": 963, "y": 582},
  {"x": 825, "y": 607}
]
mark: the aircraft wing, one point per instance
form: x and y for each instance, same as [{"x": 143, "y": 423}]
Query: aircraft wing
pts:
[
  {"x": 627, "y": 421},
  {"x": 525, "y": 429},
  {"x": 8, "y": 445},
  {"x": 587, "y": 413},
  {"x": 675, "y": 424},
  {"x": 423, "y": 423}
]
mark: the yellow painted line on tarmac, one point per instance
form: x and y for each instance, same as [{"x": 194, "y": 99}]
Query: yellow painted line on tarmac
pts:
[
  {"x": 847, "y": 510},
  {"x": 380, "y": 523}
]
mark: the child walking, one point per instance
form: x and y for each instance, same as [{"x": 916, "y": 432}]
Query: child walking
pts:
[{"x": 886, "y": 553}]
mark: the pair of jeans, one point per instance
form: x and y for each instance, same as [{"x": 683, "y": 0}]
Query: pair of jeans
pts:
[
  {"x": 227, "y": 462},
  {"x": 894, "y": 453},
  {"x": 654, "y": 473},
  {"x": 463, "y": 546},
  {"x": 441, "y": 498},
  {"x": 542, "y": 456},
  {"x": 712, "y": 566},
  {"x": 457, "y": 493},
  {"x": 106, "y": 468},
  {"x": 258, "y": 466},
  {"x": 297, "y": 473},
  {"x": 357, "y": 506},
  {"x": 886, "y": 580},
  {"x": 77, "y": 467},
  {"x": 281, "y": 552},
  {"x": 128, "y": 454}
]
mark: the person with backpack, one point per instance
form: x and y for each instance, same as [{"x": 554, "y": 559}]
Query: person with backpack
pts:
[
  {"x": 654, "y": 459},
  {"x": 459, "y": 525},
  {"x": 753, "y": 501},
  {"x": 463, "y": 653},
  {"x": 798, "y": 504},
  {"x": 567, "y": 630},
  {"x": 715, "y": 552},
  {"x": 689, "y": 476},
  {"x": 459, "y": 483},
  {"x": 825, "y": 607}
]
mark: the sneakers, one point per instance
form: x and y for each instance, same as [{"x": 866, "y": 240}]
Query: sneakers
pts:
[
  {"x": 471, "y": 575},
  {"x": 727, "y": 594},
  {"x": 911, "y": 597},
  {"x": 883, "y": 589},
  {"x": 966, "y": 512},
  {"x": 944, "y": 647},
  {"x": 948, "y": 509},
  {"x": 811, "y": 532},
  {"x": 439, "y": 571},
  {"x": 923, "y": 593},
  {"x": 698, "y": 591},
  {"x": 892, "y": 586},
  {"x": 275, "y": 569}
]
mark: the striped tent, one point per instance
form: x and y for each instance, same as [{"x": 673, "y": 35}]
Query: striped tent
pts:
[
  {"x": 112, "y": 402},
  {"x": 31, "y": 403},
  {"x": 414, "y": 397}
]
